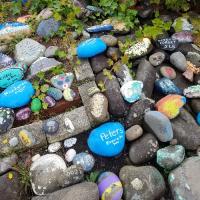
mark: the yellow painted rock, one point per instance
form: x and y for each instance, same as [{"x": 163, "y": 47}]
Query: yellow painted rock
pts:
[{"x": 26, "y": 138}]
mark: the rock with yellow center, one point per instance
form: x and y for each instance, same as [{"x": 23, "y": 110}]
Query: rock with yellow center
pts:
[{"x": 27, "y": 138}]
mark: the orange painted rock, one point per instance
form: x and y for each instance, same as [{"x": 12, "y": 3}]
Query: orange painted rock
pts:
[
  {"x": 170, "y": 105},
  {"x": 24, "y": 19}
]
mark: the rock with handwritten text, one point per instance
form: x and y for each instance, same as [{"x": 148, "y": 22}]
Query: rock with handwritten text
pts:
[
  {"x": 107, "y": 140},
  {"x": 168, "y": 44}
]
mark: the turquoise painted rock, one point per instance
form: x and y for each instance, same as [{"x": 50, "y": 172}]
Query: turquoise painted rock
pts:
[
  {"x": 132, "y": 91},
  {"x": 36, "y": 105},
  {"x": 198, "y": 118},
  {"x": 99, "y": 28},
  {"x": 90, "y": 48},
  {"x": 107, "y": 140},
  {"x": 11, "y": 74},
  {"x": 55, "y": 93},
  {"x": 159, "y": 124},
  {"x": 171, "y": 156},
  {"x": 5, "y": 60},
  {"x": 17, "y": 95},
  {"x": 192, "y": 91}
]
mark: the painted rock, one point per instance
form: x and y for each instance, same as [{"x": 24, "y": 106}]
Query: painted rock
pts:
[
  {"x": 70, "y": 154},
  {"x": 99, "y": 28},
  {"x": 157, "y": 58},
  {"x": 13, "y": 142},
  {"x": 183, "y": 37},
  {"x": 50, "y": 101},
  {"x": 168, "y": 44},
  {"x": 7, "y": 117},
  {"x": 179, "y": 61},
  {"x": 23, "y": 114},
  {"x": 17, "y": 95},
  {"x": 47, "y": 27},
  {"x": 24, "y": 19},
  {"x": 94, "y": 9},
  {"x": 70, "y": 142},
  {"x": 198, "y": 118},
  {"x": 62, "y": 81},
  {"x": 69, "y": 94},
  {"x": 107, "y": 140},
  {"x": 53, "y": 148},
  {"x": 11, "y": 74},
  {"x": 159, "y": 124},
  {"x": 171, "y": 156},
  {"x": 166, "y": 86},
  {"x": 50, "y": 126},
  {"x": 36, "y": 105},
  {"x": 9, "y": 30},
  {"x": 110, "y": 186},
  {"x": 192, "y": 91},
  {"x": 85, "y": 160},
  {"x": 139, "y": 49},
  {"x": 90, "y": 48},
  {"x": 168, "y": 72},
  {"x": 23, "y": 1},
  {"x": 26, "y": 138},
  {"x": 184, "y": 24},
  {"x": 170, "y": 105},
  {"x": 55, "y": 93},
  {"x": 5, "y": 60},
  {"x": 132, "y": 91}
]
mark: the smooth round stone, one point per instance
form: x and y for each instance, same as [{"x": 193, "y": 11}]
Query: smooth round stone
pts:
[
  {"x": 5, "y": 61},
  {"x": 179, "y": 61},
  {"x": 183, "y": 37},
  {"x": 134, "y": 132},
  {"x": 50, "y": 101},
  {"x": 113, "y": 53},
  {"x": 107, "y": 140},
  {"x": 167, "y": 44},
  {"x": 50, "y": 51},
  {"x": 23, "y": 114},
  {"x": 98, "y": 63},
  {"x": 7, "y": 117},
  {"x": 69, "y": 94},
  {"x": 168, "y": 72},
  {"x": 110, "y": 186},
  {"x": 157, "y": 58},
  {"x": 170, "y": 105},
  {"x": 27, "y": 138},
  {"x": 53, "y": 148},
  {"x": 85, "y": 160},
  {"x": 99, "y": 28},
  {"x": 36, "y": 105},
  {"x": 68, "y": 143},
  {"x": 159, "y": 124},
  {"x": 55, "y": 93},
  {"x": 198, "y": 118},
  {"x": 35, "y": 157},
  {"x": 110, "y": 40},
  {"x": 85, "y": 34},
  {"x": 192, "y": 91},
  {"x": 13, "y": 142},
  {"x": 70, "y": 154},
  {"x": 50, "y": 126},
  {"x": 132, "y": 91},
  {"x": 171, "y": 156},
  {"x": 91, "y": 47}
]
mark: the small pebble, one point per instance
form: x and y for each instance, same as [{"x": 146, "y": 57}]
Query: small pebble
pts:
[
  {"x": 35, "y": 157},
  {"x": 173, "y": 142},
  {"x": 53, "y": 148},
  {"x": 13, "y": 142},
  {"x": 70, "y": 154},
  {"x": 134, "y": 132},
  {"x": 69, "y": 94},
  {"x": 157, "y": 58},
  {"x": 68, "y": 143}
]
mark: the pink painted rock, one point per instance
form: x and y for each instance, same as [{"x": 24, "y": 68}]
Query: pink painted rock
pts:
[
  {"x": 23, "y": 114},
  {"x": 168, "y": 72},
  {"x": 50, "y": 101}
]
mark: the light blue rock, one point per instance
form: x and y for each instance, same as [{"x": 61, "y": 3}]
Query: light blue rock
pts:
[
  {"x": 99, "y": 28},
  {"x": 17, "y": 95},
  {"x": 90, "y": 48},
  {"x": 107, "y": 140},
  {"x": 55, "y": 93}
]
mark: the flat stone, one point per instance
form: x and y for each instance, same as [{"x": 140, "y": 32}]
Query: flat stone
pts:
[
  {"x": 45, "y": 14},
  {"x": 168, "y": 44},
  {"x": 113, "y": 53},
  {"x": 110, "y": 40},
  {"x": 134, "y": 132}
]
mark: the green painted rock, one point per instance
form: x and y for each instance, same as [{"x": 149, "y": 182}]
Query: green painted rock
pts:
[
  {"x": 36, "y": 105},
  {"x": 170, "y": 156}
]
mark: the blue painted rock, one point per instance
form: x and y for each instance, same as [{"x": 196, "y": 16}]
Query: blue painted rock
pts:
[
  {"x": 5, "y": 60},
  {"x": 9, "y": 30},
  {"x": 99, "y": 28},
  {"x": 94, "y": 9},
  {"x": 47, "y": 27},
  {"x": 168, "y": 44},
  {"x": 132, "y": 90},
  {"x": 55, "y": 93},
  {"x": 192, "y": 91},
  {"x": 110, "y": 186},
  {"x": 159, "y": 124},
  {"x": 62, "y": 81},
  {"x": 85, "y": 160},
  {"x": 166, "y": 86},
  {"x": 70, "y": 142},
  {"x": 12, "y": 74},
  {"x": 50, "y": 126},
  {"x": 50, "y": 101},
  {"x": 183, "y": 37},
  {"x": 7, "y": 117},
  {"x": 23, "y": 1},
  {"x": 90, "y": 48},
  {"x": 17, "y": 95},
  {"x": 107, "y": 140},
  {"x": 198, "y": 118},
  {"x": 27, "y": 138},
  {"x": 23, "y": 114}
]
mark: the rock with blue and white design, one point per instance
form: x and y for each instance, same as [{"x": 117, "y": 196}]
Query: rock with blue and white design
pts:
[
  {"x": 99, "y": 28},
  {"x": 48, "y": 27},
  {"x": 10, "y": 30},
  {"x": 107, "y": 140},
  {"x": 90, "y": 48},
  {"x": 7, "y": 117},
  {"x": 132, "y": 91},
  {"x": 5, "y": 61},
  {"x": 17, "y": 95},
  {"x": 166, "y": 86},
  {"x": 12, "y": 74},
  {"x": 55, "y": 93}
]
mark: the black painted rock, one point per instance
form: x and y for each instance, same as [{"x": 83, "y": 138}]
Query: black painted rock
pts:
[
  {"x": 147, "y": 74},
  {"x": 186, "y": 130},
  {"x": 168, "y": 44}
]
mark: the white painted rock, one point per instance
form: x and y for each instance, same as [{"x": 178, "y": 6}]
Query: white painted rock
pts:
[
  {"x": 53, "y": 148},
  {"x": 70, "y": 142},
  {"x": 70, "y": 154}
]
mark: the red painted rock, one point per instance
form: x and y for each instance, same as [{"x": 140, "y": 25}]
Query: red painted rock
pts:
[{"x": 168, "y": 72}]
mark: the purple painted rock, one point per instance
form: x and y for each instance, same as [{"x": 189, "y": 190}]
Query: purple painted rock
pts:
[
  {"x": 50, "y": 101},
  {"x": 5, "y": 60},
  {"x": 23, "y": 114},
  {"x": 183, "y": 36}
]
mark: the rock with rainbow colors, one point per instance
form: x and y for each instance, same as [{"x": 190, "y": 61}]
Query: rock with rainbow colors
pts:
[{"x": 170, "y": 105}]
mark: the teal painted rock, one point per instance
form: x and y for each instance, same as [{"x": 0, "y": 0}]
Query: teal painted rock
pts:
[
  {"x": 107, "y": 140},
  {"x": 17, "y": 95},
  {"x": 91, "y": 47},
  {"x": 198, "y": 118},
  {"x": 55, "y": 93},
  {"x": 170, "y": 156},
  {"x": 36, "y": 105},
  {"x": 192, "y": 91},
  {"x": 11, "y": 74}
]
